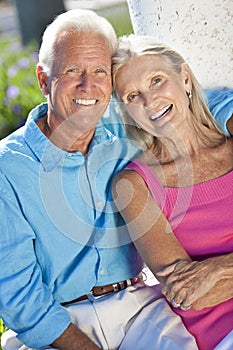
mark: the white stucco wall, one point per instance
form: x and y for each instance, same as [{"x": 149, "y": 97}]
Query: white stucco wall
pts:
[{"x": 201, "y": 30}]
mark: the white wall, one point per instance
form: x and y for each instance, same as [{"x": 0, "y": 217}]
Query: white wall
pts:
[{"x": 201, "y": 30}]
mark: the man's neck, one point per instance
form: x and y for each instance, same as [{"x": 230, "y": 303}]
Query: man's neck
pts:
[{"x": 65, "y": 138}]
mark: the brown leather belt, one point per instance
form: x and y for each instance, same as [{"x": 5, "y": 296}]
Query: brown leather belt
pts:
[{"x": 98, "y": 291}]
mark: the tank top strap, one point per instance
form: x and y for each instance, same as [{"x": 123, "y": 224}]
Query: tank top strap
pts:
[{"x": 156, "y": 189}]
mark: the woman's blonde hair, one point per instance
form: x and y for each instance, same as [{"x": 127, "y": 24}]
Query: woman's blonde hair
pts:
[{"x": 133, "y": 45}]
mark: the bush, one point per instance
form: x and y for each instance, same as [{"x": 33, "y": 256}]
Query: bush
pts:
[{"x": 19, "y": 89}]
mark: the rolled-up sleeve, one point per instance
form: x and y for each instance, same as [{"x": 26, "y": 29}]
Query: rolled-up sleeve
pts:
[
  {"x": 220, "y": 102},
  {"x": 26, "y": 302}
]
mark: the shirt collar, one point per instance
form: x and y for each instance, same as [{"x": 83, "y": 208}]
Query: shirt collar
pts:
[{"x": 48, "y": 154}]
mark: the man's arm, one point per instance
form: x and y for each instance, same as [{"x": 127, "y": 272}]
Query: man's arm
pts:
[
  {"x": 230, "y": 125},
  {"x": 27, "y": 305},
  {"x": 74, "y": 339},
  {"x": 220, "y": 102}
]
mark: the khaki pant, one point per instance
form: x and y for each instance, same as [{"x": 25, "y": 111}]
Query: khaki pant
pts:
[{"x": 135, "y": 318}]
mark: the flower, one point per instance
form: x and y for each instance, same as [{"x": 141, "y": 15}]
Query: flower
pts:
[
  {"x": 6, "y": 101},
  {"x": 22, "y": 122},
  {"x": 17, "y": 109},
  {"x": 35, "y": 56},
  {"x": 12, "y": 71},
  {"x": 12, "y": 91},
  {"x": 16, "y": 46},
  {"x": 23, "y": 62},
  {"x": 19, "y": 90}
]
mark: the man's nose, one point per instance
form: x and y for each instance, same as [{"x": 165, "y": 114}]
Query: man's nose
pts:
[{"x": 87, "y": 82}]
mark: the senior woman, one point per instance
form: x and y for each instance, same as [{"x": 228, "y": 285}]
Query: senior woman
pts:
[{"x": 177, "y": 197}]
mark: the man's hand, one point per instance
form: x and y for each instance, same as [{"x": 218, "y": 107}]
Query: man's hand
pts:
[
  {"x": 74, "y": 339},
  {"x": 230, "y": 125}
]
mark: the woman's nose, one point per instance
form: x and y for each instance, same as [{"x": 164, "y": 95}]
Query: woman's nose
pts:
[{"x": 149, "y": 100}]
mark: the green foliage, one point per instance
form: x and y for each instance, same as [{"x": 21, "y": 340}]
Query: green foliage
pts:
[
  {"x": 19, "y": 90},
  {"x": 2, "y": 329}
]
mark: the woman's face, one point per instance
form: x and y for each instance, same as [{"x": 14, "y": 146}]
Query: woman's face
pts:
[{"x": 155, "y": 96}]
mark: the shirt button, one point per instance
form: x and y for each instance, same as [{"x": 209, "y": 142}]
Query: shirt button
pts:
[
  {"x": 99, "y": 204},
  {"x": 101, "y": 271}
]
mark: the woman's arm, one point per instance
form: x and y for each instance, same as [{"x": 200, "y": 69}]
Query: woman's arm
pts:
[
  {"x": 148, "y": 227},
  {"x": 156, "y": 243},
  {"x": 222, "y": 291}
]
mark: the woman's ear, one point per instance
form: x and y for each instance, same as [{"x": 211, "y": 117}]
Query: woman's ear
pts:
[
  {"x": 186, "y": 77},
  {"x": 42, "y": 80}
]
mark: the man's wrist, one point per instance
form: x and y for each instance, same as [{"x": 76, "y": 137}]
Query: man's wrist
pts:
[{"x": 74, "y": 339}]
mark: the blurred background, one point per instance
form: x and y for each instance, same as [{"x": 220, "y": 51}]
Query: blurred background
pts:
[{"x": 22, "y": 23}]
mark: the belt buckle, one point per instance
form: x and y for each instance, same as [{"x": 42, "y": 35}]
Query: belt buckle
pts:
[{"x": 91, "y": 297}]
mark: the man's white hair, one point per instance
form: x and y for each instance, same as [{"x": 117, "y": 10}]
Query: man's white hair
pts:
[{"x": 77, "y": 20}]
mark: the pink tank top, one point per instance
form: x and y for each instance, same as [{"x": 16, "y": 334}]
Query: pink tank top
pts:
[{"x": 202, "y": 220}]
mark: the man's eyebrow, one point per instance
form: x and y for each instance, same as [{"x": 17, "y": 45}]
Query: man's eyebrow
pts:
[
  {"x": 73, "y": 66},
  {"x": 101, "y": 66},
  {"x": 104, "y": 66}
]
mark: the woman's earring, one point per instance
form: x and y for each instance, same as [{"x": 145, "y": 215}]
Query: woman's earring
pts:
[
  {"x": 138, "y": 126},
  {"x": 190, "y": 94}
]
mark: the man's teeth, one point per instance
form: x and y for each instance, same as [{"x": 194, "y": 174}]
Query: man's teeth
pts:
[
  {"x": 85, "y": 102},
  {"x": 161, "y": 112}
]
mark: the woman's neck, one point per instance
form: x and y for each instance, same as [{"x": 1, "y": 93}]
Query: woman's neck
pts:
[{"x": 189, "y": 141}]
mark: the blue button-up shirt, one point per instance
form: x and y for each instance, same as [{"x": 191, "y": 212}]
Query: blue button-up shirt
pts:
[{"x": 60, "y": 233}]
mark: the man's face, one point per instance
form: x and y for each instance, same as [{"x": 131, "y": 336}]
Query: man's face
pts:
[{"x": 80, "y": 84}]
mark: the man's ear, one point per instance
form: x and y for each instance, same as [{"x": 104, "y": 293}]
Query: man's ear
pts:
[
  {"x": 42, "y": 80},
  {"x": 186, "y": 77}
]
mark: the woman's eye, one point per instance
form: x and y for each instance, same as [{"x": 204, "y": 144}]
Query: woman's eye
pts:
[
  {"x": 156, "y": 81},
  {"x": 132, "y": 97}
]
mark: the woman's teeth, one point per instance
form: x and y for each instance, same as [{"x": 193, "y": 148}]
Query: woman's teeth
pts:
[{"x": 161, "y": 112}]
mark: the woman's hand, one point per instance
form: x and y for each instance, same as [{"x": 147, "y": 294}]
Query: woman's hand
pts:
[{"x": 188, "y": 281}]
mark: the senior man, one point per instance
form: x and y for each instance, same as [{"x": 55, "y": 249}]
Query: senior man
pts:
[{"x": 70, "y": 276}]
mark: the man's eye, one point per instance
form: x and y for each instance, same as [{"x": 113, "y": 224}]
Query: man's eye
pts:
[
  {"x": 74, "y": 71},
  {"x": 101, "y": 71}
]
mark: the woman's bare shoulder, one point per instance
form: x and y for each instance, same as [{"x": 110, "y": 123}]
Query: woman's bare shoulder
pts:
[{"x": 130, "y": 175}]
